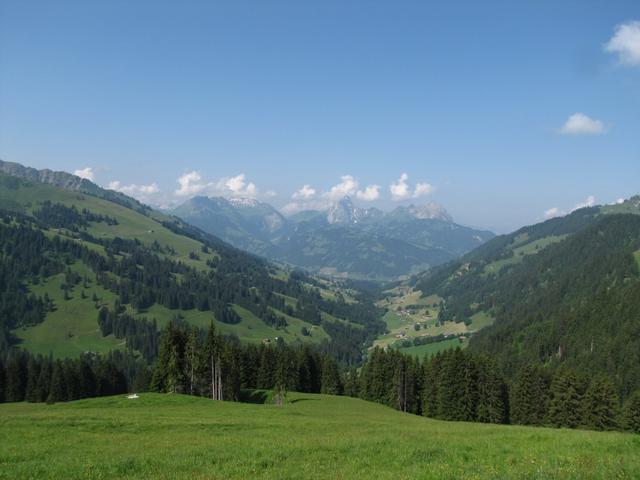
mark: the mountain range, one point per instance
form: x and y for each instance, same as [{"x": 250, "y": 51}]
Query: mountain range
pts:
[{"x": 344, "y": 240}]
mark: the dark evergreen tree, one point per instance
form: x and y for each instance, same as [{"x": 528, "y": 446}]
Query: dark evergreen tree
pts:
[
  {"x": 631, "y": 413},
  {"x": 430, "y": 389},
  {"x": 529, "y": 397},
  {"x": 3, "y": 381},
  {"x": 44, "y": 379},
  {"x": 565, "y": 402},
  {"x": 266, "y": 372},
  {"x": 32, "y": 393},
  {"x": 330, "y": 382},
  {"x": 16, "y": 375},
  {"x": 493, "y": 397},
  {"x": 58, "y": 388},
  {"x": 86, "y": 383},
  {"x": 600, "y": 405},
  {"x": 352, "y": 383}
]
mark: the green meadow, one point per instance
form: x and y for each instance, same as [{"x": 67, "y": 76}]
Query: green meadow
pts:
[{"x": 313, "y": 436}]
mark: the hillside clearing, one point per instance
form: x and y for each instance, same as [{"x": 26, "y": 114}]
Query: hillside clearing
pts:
[{"x": 316, "y": 436}]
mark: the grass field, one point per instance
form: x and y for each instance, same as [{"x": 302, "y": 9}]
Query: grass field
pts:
[
  {"x": 433, "y": 348},
  {"x": 407, "y": 307},
  {"x": 316, "y": 436},
  {"x": 73, "y": 327}
]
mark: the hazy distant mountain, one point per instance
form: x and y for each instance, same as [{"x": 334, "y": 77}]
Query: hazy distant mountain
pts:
[
  {"x": 343, "y": 212},
  {"x": 245, "y": 223},
  {"x": 345, "y": 240}
]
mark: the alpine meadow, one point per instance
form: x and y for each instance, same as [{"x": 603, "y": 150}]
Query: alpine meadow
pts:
[{"x": 338, "y": 240}]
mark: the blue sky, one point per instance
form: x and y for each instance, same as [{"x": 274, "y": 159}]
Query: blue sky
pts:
[{"x": 468, "y": 99}]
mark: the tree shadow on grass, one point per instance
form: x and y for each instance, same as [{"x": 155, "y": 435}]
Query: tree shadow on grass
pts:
[
  {"x": 254, "y": 396},
  {"x": 296, "y": 400}
]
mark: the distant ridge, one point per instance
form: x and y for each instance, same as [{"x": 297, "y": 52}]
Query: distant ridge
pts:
[
  {"x": 72, "y": 182},
  {"x": 344, "y": 240}
]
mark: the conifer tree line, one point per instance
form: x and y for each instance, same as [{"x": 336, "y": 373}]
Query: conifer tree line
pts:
[
  {"x": 207, "y": 364},
  {"x": 190, "y": 361},
  {"x": 38, "y": 378},
  {"x": 456, "y": 385},
  {"x": 462, "y": 385}
]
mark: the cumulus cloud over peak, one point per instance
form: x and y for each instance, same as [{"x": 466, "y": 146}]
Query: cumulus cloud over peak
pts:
[
  {"x": 308, "y": 198},
  {"x": 238, "y": 186},
  {"x": 401, "y": 190},
  {"x": 581, "y": 124},
  {"x": 306, "y": 192},
  {"x": 590, "y": 201},
  {"x": 422, "y": 189},
  {"x": 190, "y": 184},
  {"x": 347, "y": 187},
  {"x": 625, "y": 43},
  {"x": 133, "y": 189},
  {"x": 369, "y": 194},
  {"x": 552, "y": 212},
  {"x": 87, "y": 173}
]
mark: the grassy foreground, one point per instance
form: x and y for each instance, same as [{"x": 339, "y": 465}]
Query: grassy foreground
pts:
[{"x": 315, "y": 436}]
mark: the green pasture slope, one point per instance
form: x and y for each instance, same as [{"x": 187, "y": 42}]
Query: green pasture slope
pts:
[
  {"x": 73, "y": 329},
  {"x": 315, "y": 436}
]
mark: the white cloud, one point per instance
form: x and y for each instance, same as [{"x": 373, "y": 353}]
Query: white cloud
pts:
[
  {"x": 237, "y": 187},
  {"x": 589, "y": 202},
  {"x": 369, "y": 194},
  {"x": 86, "y": 173},
  {"x": 135, "y": 190},
  {"x": 620, "y": 200},
  {"x": 400, "y": 190},
  {"x": 347, "y": 187},
  {"x": 306, "y": 192},
  {"x": 291, "y": 208},
  {"x": 581, "y": 124},
  {"x": 422, "y": 189},
  {"x": 625, "y": 43},
  {"x": 190, "y": 184},
  {"x": 552, "y": 212}
]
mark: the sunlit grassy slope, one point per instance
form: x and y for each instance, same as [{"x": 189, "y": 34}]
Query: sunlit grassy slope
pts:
[
  {"x": 72, "y": 328},
  {"x": 407, "y": 307},
  {"x": 315, "y": 436}
]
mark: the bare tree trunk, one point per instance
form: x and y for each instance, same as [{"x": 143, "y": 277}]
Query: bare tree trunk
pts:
[
  {"x": 404, "y": 388},
  {"x": 219, "y": 380},
  {"x": 192, "y": 357},
  {"x": 213, "y": 380}
]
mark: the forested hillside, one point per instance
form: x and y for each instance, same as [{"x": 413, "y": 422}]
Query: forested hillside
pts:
[
  {"x": 83, "y": 273},
  {"x": 564, "y": 293}
]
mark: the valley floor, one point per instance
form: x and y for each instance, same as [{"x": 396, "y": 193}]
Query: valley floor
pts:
[{"x": 314, "y": 436}]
